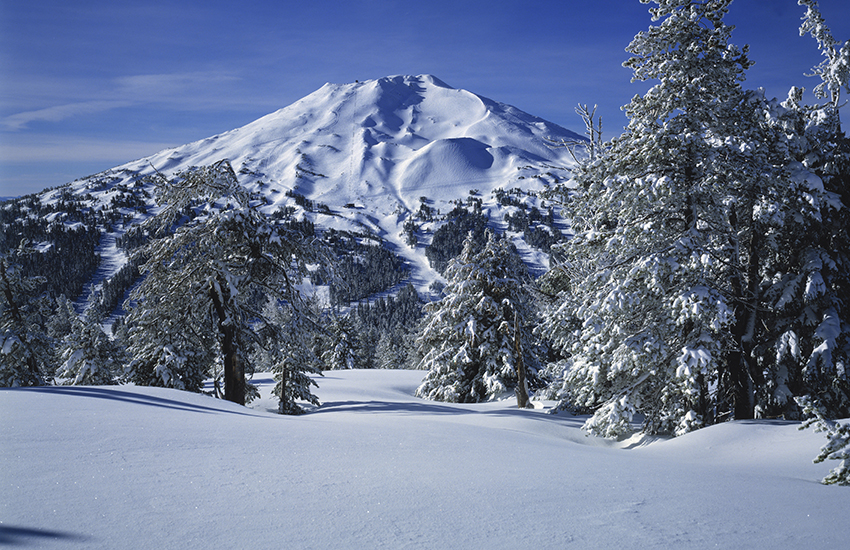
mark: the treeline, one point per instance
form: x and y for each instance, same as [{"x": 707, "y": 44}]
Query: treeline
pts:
[
  {"x": 447, "y": 241},
  {"x": 539, "y": 231},
  {"x": 113, "y": 291},
  {"x": 55, "y": 241}
]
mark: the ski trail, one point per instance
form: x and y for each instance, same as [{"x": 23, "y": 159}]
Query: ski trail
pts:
[{"x": 112, "y": 259}]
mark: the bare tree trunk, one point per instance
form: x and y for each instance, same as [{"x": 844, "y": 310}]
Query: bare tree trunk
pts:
[
  {"x": 234, "y": 375},
  {"x": 742, "y": 376},
  {"x": 283, "y": 406},
  {"x": 521, "y": 387}
]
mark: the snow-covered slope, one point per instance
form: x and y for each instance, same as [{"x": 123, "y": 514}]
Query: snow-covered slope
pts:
[
  {"x": 381, "y": 143},
  {"x": 371, "y": 152},
  {"x": 374, "y": 467}
]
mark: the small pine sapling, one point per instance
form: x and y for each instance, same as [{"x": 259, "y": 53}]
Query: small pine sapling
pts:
[{"x": 838, "y": 441}]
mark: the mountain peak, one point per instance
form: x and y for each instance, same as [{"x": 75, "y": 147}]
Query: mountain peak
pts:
[
  {"x": 374, "y": 152},
  {"x": 400, "y": 80},
  {"x": 396, "y": 136},
  {"x": 417, "y": 80}
]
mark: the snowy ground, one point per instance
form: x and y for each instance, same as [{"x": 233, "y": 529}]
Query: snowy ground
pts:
[{"x": 127, "y": 467}]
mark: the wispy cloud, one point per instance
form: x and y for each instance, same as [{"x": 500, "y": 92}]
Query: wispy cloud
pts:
[
  {"x": 19, "y": 121},
  {"x": 164, "y": 87},
  {"x": 192, "y": 90},
  {"x": 52, "y": 148}
]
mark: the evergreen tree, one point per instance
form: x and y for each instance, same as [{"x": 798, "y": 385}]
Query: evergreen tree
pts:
[
  {"x": 284, "y": 351},
  {"x": 834, "y": 71},
  {"x": 340, "y": 344},
  {"x": 368, "y": 338},
  {"x": 837, "y": 446},
  {"x": 62, "y": 321},
  {"x": 680, "y": 225},
  {"x": 392, "y": 350},
  {"x": 24, "y": 312},
  {"x": 207, "y": 281},
  {"x": 468, "y": 340},
  {"x": 170, "y": 335},
  {"x": 90, "y": 357},
  {"x": 808, "y": 344},
  {"x": 447, "y": 241},
  {"x": 802, "y": 345},
  {"x": 641, "y": 320}
]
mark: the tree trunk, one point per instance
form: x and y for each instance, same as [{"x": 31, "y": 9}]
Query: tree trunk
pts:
[
  {"x": 521, "y": 387},
  {"x": 283, "y": 405},
  {"x": 737, "y": 361},
  {"x": 234, "y": 374},
  {"x": 742, "y": 376}
]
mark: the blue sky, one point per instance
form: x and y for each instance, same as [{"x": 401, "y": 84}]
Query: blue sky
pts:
[{"x": 91, "y": 84}]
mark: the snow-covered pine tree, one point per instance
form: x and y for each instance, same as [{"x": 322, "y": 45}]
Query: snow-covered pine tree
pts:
[
  {"x": 340, "y": 346},
  {"x": 368, "y": 338},
  {"x": 663, "y": 276},
  {"x": 801, "y": 344},
  {"x": 805, "y": 348},
  {"x": 171, "y": 339},
  {"x": 834, "y": 71},
  {"x": 285, "y": 351},
  {"x": 62, "y": 321},
  {"x": 89, "y": 357},
  {"x": 837, "y": 446},
  {"x": 467, "y": 340},
  {"x": 212, "y": 265},
  {"x": 24, "y": 312},
  {"x": 392, "y": 349}
]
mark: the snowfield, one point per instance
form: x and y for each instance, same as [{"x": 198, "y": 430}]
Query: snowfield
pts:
[{"x": 374, "y": 467}]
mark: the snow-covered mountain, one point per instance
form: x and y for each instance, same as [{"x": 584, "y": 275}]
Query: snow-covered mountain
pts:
[
  {"x": 381, "y": 143},
  {"x": 369, "y": 155}
]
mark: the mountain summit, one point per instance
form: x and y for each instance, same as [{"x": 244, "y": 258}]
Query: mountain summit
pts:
[{"x": 379, "y": 142}]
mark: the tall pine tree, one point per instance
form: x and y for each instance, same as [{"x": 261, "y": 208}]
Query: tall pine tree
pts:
[
  {"x": 25, "y": 347},
  {"x": 284, "y": 350},
  {"x": 680, "y": 226},
  {"x": 89, "y": 357},
  {"x": 469, "y": 340},
  {"x": 214, "y": 262},
  {"x": 806, "y": 349}
]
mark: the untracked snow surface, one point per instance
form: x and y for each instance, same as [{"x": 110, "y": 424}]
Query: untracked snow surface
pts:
[{"x": 129, "y": 467}]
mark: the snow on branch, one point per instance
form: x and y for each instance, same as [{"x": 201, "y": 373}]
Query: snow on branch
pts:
[
  {"x": 834, "y": 71},
  {"x": 837, "y": 446}
]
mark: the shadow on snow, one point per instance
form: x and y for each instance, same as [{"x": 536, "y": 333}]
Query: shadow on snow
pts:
[
  {"x": 107, "y": 392},
  {"x": 425, "y": 407},
  {"x": 23, "y": 536}
]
